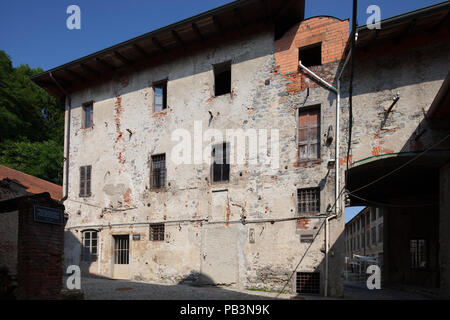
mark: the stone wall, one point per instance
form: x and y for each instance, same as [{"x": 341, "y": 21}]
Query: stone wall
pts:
[{"x": 126, "y": 132}]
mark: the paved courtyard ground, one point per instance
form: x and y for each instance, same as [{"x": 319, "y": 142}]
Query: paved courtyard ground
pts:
[{"x": 109, "y": 289}]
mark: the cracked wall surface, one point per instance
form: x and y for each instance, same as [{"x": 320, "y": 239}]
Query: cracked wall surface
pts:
[{"x": 205, "y": 239}]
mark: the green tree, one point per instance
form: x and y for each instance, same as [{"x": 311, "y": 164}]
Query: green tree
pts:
[{"x": 31, "y": 124}]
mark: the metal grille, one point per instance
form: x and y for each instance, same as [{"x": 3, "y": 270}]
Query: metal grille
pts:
[
  {"x": 121, "y": 249},
  {"x": 308, "y": 282},
  {"x": 158, "y": 172},
  {"x": 89, "y": 251},
  {"x": 418, "y": 254},
  {"x": 221, "y": 165},
  {"x": 308, "y": 201},
  {"x": 85, "y": 181},
  {"x": 157, "y": 232}
]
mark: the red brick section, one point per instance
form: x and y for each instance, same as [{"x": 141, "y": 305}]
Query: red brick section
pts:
[
  {"x": 32, "y": 184},
  {"x": 332, "y": 32},
  {"x": 40, "y": 252}
]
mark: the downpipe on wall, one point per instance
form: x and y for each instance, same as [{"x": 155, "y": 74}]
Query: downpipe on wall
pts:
[{"x": 336, "y": 166}]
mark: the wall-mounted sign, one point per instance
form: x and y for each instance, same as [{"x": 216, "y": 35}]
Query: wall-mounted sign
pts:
[
  {"x": 136, "y": 237},
  {"x": 48, "y": 215}
]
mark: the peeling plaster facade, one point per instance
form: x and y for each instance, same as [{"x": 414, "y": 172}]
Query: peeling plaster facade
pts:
[{"x": 205, "y": 239}]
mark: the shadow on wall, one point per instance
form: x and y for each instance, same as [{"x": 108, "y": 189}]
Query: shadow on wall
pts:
[{"x": 305, "y": 280}]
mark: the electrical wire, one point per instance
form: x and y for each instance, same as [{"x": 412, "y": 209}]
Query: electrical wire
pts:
[
  {"x": 298, "y": 264},
  {"x": 381, "y": 204},
  {"x": 402, "y": 166}
]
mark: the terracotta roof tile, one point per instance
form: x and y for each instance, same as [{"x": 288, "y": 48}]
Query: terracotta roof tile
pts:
[{"x": 32, "y": 184}]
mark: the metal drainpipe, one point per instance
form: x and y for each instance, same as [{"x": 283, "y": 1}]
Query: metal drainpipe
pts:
[
  {"x": 67, "y": 144},
  {"x": 336, "y": 166}
]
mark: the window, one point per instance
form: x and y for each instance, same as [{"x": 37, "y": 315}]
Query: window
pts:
[
  {"x": 221, "y": 162},
  {"x": 158, "y": 171},
  {"x": 308, "y": 201},
  {"x": 311, "y": 55},
  {"x": 374, "y": 236},
  {"x": 121, "y": 249},
  {"x": 222, "y": 78},
  {"x": 306, "y": 238},
  {"x": 418, "y": 253},
  {"x": 368, "y": 240},
  {"x": 380, "y": 213},
  {"x": 309, "y": 134},
  {"x": 380, "y": 232},
  {"x": 89, "y": 249},
  {"x": 374, "y": 213},
  {"x": 88, "y": 114},
  {"x": 308, "y": 282},
  {"x": 362, "y": 240},
  {"x": 160, "y": 95},
  {"x": 85, "y": 181},
  {"x": 362, "y": 221},
  {"x": 368, "y": 219},
  {"x": 157, "y": 232}
]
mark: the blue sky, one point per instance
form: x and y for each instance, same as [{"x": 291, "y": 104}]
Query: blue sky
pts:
[{"x": 35, "y": 32}]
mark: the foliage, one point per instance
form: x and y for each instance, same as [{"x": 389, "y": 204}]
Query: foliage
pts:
[{"x": 31, "y": 124}]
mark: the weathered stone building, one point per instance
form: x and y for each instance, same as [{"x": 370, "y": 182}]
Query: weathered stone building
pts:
[
  {"x": 401, "y": 140},
  {"x": 135, "y": 213}
]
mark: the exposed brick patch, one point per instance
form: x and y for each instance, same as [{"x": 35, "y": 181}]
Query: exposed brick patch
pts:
[
  {"x": 127, "y": 196},
  {"x": 380, "y": 150},
  {"x": 303, "y": 224},
  {"x": 119, "y": 109},
  {"x": 332, "y": 32}
]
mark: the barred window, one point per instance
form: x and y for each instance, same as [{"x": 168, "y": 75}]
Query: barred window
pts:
[
  {"x": 121, "y": 249},
  {"x": 308, "y": 201},
  {"x": 89, "y": 248},
  {"x": 309, "y": 134},
  {"x": 418, "y": 252},
  {"x": 158, "y": 171},
  {"x": 221, "y": 164},
  {"x": 308, "y": 282},
  {"x": 157, "y": 232},
  {"x": 85, "y": 181}
]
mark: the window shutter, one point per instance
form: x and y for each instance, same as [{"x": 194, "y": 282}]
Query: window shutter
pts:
[
  {"x": 82, "y": 181},
  {"x": 88, "y": 180}
]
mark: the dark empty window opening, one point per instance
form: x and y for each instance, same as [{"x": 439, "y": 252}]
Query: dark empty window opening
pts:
[
  {"x": 157, "y": 232},
  {"x": 308, "y": 283},
  {"x": 160, "y": 95},
  {"x": 89, "y": 251},
  {"x": 222, "y": 78},
  {"x": 308, "y": 201},
  {"x": 221, "y": 162},
  {"x": 88, "y": 114},
  {"x": 85, "y": 181},
  {"x": 311, "y": 55},
  {"x": 158, "y": 171},
  {"x": 121, "y": 249}
]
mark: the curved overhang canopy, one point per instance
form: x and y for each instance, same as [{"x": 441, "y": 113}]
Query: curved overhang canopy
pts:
[
  {"x": 208, "y": 28},
  {"x": 411, "y": 176}
]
